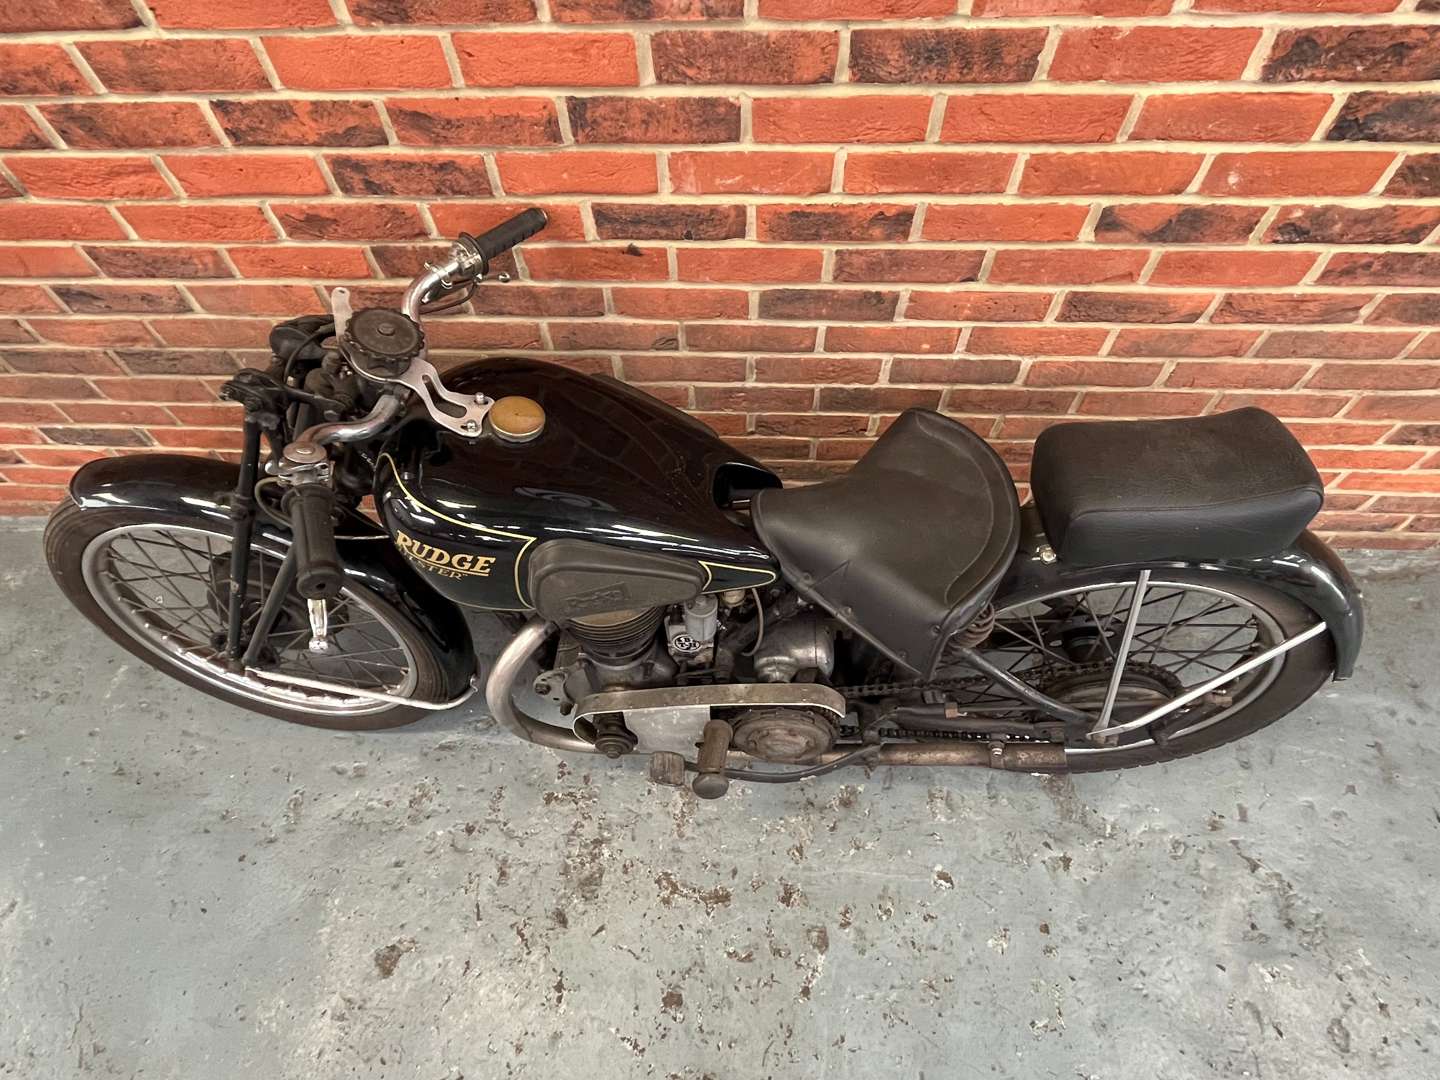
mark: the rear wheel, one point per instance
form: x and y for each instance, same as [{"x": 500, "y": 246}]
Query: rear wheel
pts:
[
  {"x": 1192, "y": 627},
  {"x": 156, "y": 585}
]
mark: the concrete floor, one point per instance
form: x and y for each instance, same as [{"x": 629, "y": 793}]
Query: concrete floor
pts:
[{"x": 190, "y": 891}]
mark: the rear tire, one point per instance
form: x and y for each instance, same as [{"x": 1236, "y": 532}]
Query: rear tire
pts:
[
  {"x": 72, "y": 531},
  {"x": 1302, "y": 671}
]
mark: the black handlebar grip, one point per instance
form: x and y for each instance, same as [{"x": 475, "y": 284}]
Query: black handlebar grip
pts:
[
  {"x": 507, "y": 234},
  {"x": 311, "y": 508}
]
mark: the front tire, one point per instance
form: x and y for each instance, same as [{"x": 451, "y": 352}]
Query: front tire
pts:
[{"x": 167, "y": 613}]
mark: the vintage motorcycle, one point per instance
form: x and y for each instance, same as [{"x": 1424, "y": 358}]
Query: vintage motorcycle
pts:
[{"x": 666, "y": 595}]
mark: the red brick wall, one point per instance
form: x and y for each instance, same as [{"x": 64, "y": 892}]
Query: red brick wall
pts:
[{"x": 792, "y": 217}]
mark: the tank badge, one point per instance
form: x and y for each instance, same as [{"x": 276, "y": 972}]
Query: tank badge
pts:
[{"x": 450, "y": 564}]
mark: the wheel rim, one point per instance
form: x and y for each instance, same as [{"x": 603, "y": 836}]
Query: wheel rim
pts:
[
  {"x": 161, "y": 585},
  {"x": 1190, "y": 632}
]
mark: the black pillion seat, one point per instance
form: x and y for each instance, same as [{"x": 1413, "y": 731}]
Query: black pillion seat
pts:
[
  {"x": 906, "y": 547},
  {"x": 1212, "y": 487}
]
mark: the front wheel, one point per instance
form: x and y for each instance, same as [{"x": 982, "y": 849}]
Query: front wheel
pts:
[
  {"x": 1192, "y": 627},
  {"x": 156, "y": 585}
]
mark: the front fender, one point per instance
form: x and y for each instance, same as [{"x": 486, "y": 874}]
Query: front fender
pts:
[
  {"x": 182, "y": 486},
  {"x": 1308, "y": 571}
]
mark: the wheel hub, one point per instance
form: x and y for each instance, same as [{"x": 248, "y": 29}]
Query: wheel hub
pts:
[{"x": 1142, "y": 687}]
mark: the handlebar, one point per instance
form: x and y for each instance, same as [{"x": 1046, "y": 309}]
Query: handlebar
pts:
[
  {"x": 506, "y": 235},
  {"x": 311, "y": 507}
]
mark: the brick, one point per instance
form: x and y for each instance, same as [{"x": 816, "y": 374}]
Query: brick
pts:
[
  {"x": 175, "y": 65},
  {"x": 440, "y": 12},
  {"x": 39, "y": 69},
  {"x": 654, "y": 120},
  {"x": 1417, "y": 435},
  {"x": 1355, "y": 54},
  {"x": 906, "y": 264},
  {"x": 950, "y": 370},
  {"x": 1381, "y": 481},
  {"x": 97, "y": 332},
  {"x": 610, "y": 334},
  {"x": 598, "y": 172},
  {"x": 1382, "y": 268},
  {"x": 839, "y": 221},
  {"x": 1380, "y": 117},
  {"x": 1295, "y": 173},
  {"x": 831, "y": 305},
  {"x": 216, "y": 222},
  {"x": 940, "y": 173},
  {"x": 966, "y": 55},
  {"x": 1152, "y": 403},
  {"x": 1427, "y": 349},
  {"x": 1344, "y": 344},
  {"x": 157, "y": 389},
  {"x": 25, "y": 16},
  {"x": 1419, "y": 174},
  {"x": 1027, "y": 222},
  {"x": 160, "y": 262},
  {"x": 1153, "y": 54},
  {"x": 19, "y": 132},
  {"x": 1232, "y": 267},
  {"x": 680, "y": 303},
  {"x": 687, "y": 369},
  {"x": 876, "y": 399},
  {"x": 271, "y": 122},
  {"x": 864, "y": 119},
  {"x": 96, "y": 436},
  {"x": 1293, "y": 404},
  {"x": 104, "y": 298},
  {"x": 739, "y": 57},
  {"x": 45, "y": 387},
  {"x": 596, "y": 263},
  {"x": 811, "y": 425},
  {"x": 1393, "y": 224},
  {"x": 1013, "y": 401},
  {"x": 30, "y": 261},
  {"x": 1418, "y": 309},
  {"x": 50, "y": 455},
  {"x": 750, "y": 337},
  {"x": 829, "y": 370},
  {"x": 453, "y": 218},
  {"x": 758, "y": 264},
  {"x": 1290, "y": 308},
  {"x": 39, "y": 221},
  {"x": 540, "y": 300},
  {"x": 231, "y": 173},
  {"x": 1035, "y": 341},
  {"x": 1133, "y": 173},
  {"x": 1066, "y": 266},
  {"x": 96, "y": 125},
  {"x": 1033, "y": 8},
  {"x": 1033, "y": 118},
  {"x": 358, "y": 62},
  {"x": 410, "y": 174},
  {"x": 923, "y": 340},
  {"x": 23, "y": 299},
  {"x": 471, "y": 335},
  {"x": 1375, "y": 377},
  {"x": 72, "y": 177},
  {"x": 547, "y": 59},
  {"x": 749, "y": 172},
  {"x": 1231, "y": 375},
  {"x": 958, "y": 306},
  {"x": 307, "y": 261},
  {"x": 668, "y": 221},
  {"x": 1082, "y": 373},
  {"x": 1169, "y": 223},
  {"x": 474, "y": 122},
  {"x": 1232, "y": 117},
  {"x": 13, "y": 333},
  {"x": 752, "y": 399},
  {"x": 852, "y": 9},
  {"x": 28, "y": 412},
  {"x": 241, "y": 14},
  {"x": 349, "y": 221},
  {"x": 257, "y": 299},
  {"x": 60, "y": 361},
  {"x": 175, "y": 362},
  {"x": 1134, "y": 307}
]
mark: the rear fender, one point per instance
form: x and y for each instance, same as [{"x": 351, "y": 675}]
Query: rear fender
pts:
[
  {"x": 1308, "y": 571},
  {"x": 201, "y": 488}
]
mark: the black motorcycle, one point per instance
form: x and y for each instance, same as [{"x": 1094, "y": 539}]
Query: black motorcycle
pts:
[{"x": 665, "y": 595}]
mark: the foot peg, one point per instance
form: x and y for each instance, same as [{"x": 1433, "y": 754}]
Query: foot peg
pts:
[{"x": 710, "y": 779}]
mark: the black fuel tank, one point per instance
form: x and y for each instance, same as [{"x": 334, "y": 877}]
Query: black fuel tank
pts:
[{"x": 613, "y": 465}]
